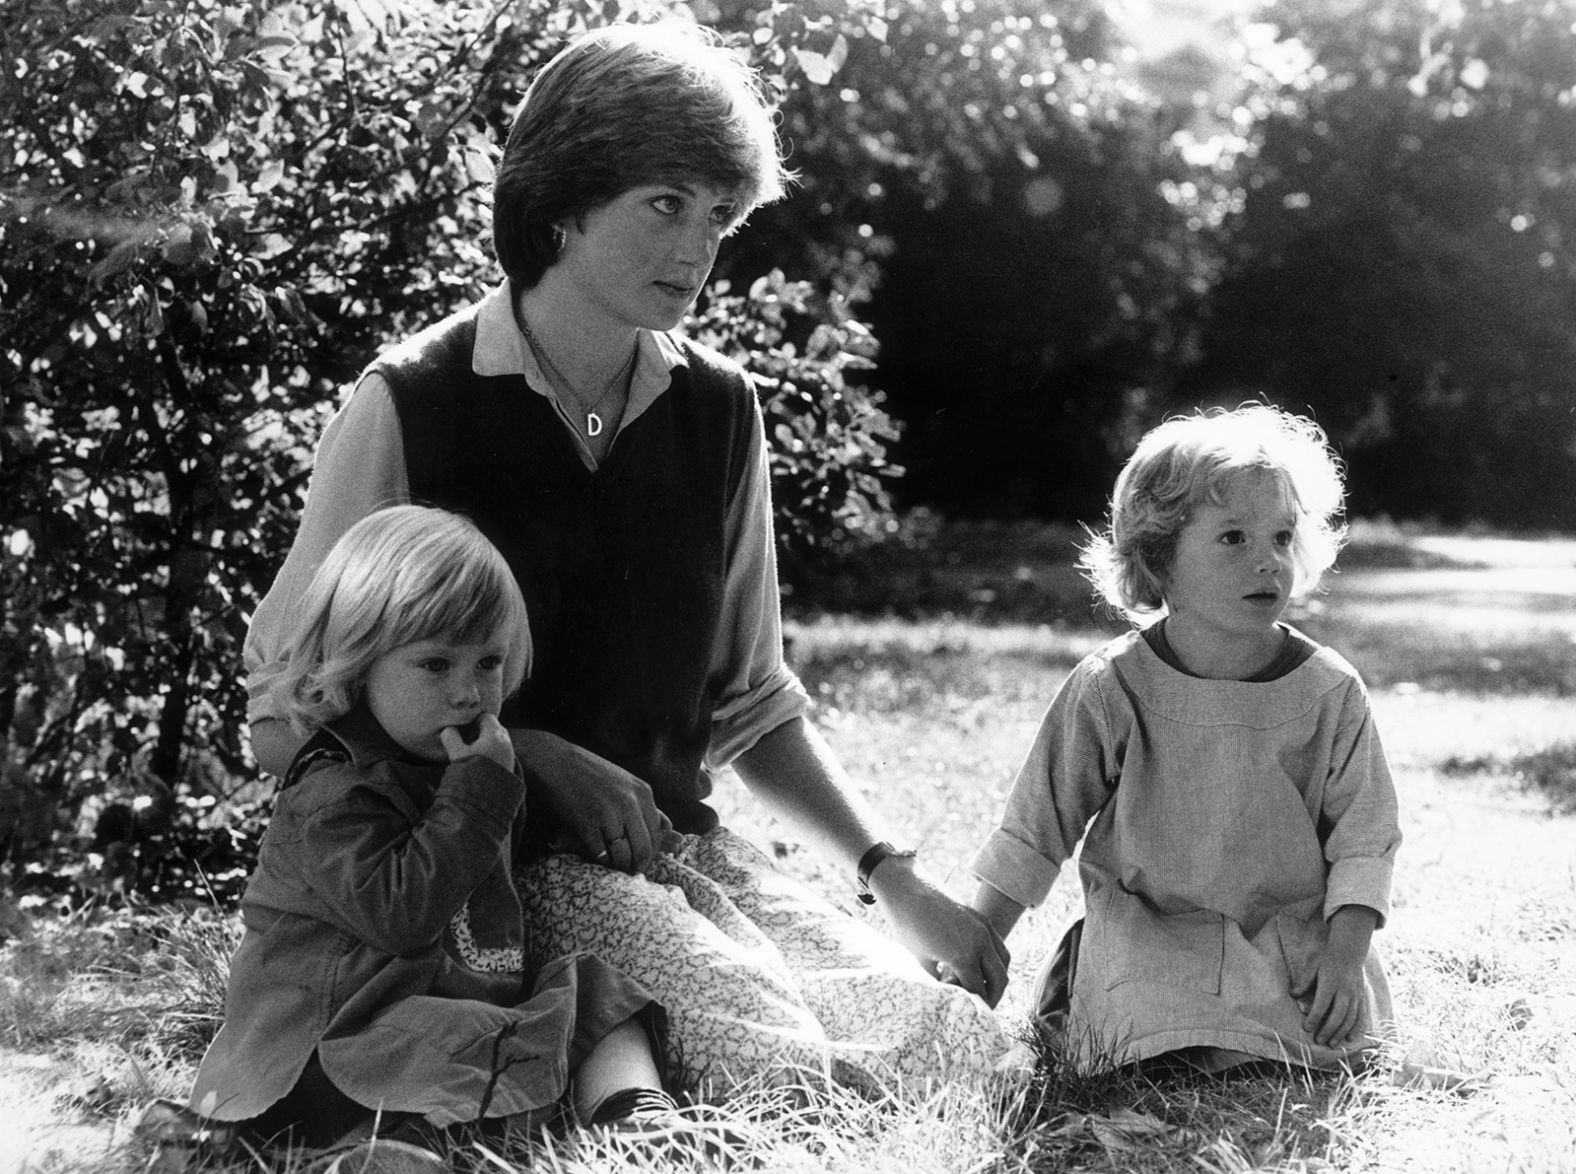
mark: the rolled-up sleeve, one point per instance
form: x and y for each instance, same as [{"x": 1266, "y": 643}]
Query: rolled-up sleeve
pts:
[
  {"x": 1066, "y": 778},
  {"x": 756, "y": 691},
  {"x": 359, "y": 468},
  {"x": 1361, "y": 812},
  {"x": 1015, "y": 869}
]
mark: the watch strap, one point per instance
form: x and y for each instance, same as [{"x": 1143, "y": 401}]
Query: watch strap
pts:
[{"x": 872, "y": 858}]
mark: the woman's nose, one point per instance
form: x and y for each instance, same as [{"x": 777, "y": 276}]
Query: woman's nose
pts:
[{"x": 700, "y": 243}]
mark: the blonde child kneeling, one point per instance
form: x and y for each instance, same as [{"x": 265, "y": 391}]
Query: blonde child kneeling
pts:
[{"x": 1237, "y": 814}]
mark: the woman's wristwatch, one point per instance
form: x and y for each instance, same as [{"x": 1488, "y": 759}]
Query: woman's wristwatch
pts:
[{"x": 873, "y": 856}]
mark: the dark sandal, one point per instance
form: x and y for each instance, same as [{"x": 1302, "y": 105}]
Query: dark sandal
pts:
[
  {"x": 634, "y": 1105},
  {"x": 181, "y": 1137},
  {"x": 650, "y": 1117}
]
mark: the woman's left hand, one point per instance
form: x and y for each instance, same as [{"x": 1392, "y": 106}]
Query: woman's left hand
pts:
[
  {"x": 948, "y": 937},
  {"x": 794, "y": 770},
  {"x": 609, "y": 813}
]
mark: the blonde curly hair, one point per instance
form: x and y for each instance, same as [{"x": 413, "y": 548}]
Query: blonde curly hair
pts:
[{"x": 1190, "y": 459}]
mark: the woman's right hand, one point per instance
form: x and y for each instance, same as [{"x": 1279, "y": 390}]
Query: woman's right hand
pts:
[{"x": 610, "y": 811}]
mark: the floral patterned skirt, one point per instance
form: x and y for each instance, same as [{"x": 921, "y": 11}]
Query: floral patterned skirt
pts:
[{"x": 762, "y": 980}]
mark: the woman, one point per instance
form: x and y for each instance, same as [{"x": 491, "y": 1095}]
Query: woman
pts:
[{"x": 622, "y": 471}]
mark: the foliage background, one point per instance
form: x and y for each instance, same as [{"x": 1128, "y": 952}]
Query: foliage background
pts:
[
  {"x": 213, "y": 217},
  {"x": 1020, "y": 238}
]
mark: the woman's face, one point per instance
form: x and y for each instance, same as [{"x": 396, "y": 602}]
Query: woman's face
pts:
[{"x": 641, "y": 259}]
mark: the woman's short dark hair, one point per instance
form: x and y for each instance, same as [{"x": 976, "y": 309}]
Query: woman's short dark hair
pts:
[{"x": 626, "y": 106}]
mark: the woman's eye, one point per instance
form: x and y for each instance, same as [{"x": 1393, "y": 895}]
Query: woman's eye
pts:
[
  {"x": 1284, "y": 538},
  {"x": 1232, "y": 537},
  {"x": 435, "y": 665},
  {"x": 667, "y": 205},
  {"x": 722, "y": 214}
]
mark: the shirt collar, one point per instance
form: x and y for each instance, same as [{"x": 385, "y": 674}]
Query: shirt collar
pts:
[
  {"x": 365, "y": 738},
  {"x": 501, "y": 349}
]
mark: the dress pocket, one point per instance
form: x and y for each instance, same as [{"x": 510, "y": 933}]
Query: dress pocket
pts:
[
  {"x": 1128, "y": 940},
  {"x": 1302, "y": 941}
]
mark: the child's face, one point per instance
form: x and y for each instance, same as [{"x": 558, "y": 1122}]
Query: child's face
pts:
[
  {"x": 418, "y": 690},
  {"x": 1232, "y": 575}
]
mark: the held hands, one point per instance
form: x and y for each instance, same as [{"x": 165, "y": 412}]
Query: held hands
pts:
[
  {"x": 953, "y": 941},
  {"x": 492, "y": 741},
  {"x": 1333, "y": 1001}
]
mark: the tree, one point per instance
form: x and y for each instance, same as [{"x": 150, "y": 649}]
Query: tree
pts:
[
  {"x": 992, "y": 184},
  {"x": 211, "y": 217},
  {"x": 1404, "y": 259}
]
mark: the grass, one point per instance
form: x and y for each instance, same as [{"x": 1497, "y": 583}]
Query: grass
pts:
[
  {"x": 1549, "y": 769},
  {"x": 931, "y": 700}
]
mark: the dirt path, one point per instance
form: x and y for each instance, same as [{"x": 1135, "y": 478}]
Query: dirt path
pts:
[{"x": 1498, "y": 585}]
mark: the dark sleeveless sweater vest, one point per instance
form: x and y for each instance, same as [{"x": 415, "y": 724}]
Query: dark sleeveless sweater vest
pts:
[{"x": 622, "y": 568}]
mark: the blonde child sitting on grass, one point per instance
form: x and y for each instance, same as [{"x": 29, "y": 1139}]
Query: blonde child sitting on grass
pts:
[
  {"x": 381, "y": 978},
  {"x": 1221, "y": 769}
]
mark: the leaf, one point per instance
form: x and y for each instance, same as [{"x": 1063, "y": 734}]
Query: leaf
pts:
[
  {"x": 1127, "y": 1129},
  {"x": 479, "y": 166},
  {"x": 150, "y": 314},
  {"x": 178, "y": 244},
  {"x": 290, "y": 307},
  {"x": 120, "y": 258},
  {"x": 186, "y": 244},
  {"x": 839, "y": 54},
  {"x": 268, "y": 179},
  {"x": 825, "y": 340},
  {"x": 273, "y": 48},
  {"x": 817, "y": 67}
]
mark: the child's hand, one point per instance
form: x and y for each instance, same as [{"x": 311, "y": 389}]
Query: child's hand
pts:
[
  {"x": 1332, "y": 1003},
  {"x": 492, "y": 741}
]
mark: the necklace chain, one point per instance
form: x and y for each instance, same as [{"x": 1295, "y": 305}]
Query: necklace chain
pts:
[{"x": 594, "y": 422}]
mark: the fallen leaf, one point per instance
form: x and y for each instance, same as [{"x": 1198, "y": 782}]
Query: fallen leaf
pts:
[
  {"x": 1441, "y": 1079},
  {"x": 1127, "y": 1129}
]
